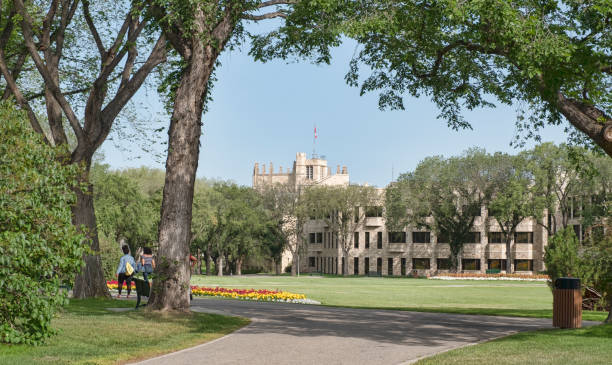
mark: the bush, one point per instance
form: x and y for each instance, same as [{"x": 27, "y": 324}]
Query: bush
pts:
[
  {"x": 110, "y": 253},
  {"x": 39, "y": 247},
  {"x": 562, "y": 258}
]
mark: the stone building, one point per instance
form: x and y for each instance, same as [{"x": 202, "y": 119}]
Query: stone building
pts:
[{"x": 407, "y": 252}]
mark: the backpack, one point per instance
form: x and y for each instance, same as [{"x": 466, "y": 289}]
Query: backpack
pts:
[{"x": 129, "y": 270}]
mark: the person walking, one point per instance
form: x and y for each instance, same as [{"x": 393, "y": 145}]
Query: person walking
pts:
[
  {"x": 124, "y": 272},
  {"x": 147, "y": 261}
]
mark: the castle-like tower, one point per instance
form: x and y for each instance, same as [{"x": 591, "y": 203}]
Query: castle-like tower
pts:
[{"x": 305, "y": 171}]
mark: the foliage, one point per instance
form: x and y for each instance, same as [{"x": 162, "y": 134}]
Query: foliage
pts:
[
  {"x": 39, "y": 247},
  {"x": 562, "y": 256},
  {"x": 123, "y": 212},
  {"x": 443, "y": 196},
  {"x": 111, "y": 253},
  {"x": 343, "y": 209},
  {"x": 554, "y": 57}
]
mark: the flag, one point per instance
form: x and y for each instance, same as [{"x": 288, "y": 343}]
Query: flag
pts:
[{"x": 315, "y": 132}]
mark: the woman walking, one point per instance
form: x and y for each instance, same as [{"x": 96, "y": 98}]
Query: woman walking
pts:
[
  {"x": 147, "y": 261},
  {"x": 124, "y": 272}
]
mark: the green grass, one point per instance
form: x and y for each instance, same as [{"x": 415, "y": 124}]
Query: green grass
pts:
[
  {"x": 591, "y": 345},
  {"x": 91, "y": 334},
  {"x": 507, "y": 298}
]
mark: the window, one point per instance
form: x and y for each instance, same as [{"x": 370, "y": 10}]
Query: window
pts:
[
  {"x": 421, "y": 237},
  {"x": 523, "y": 265},
  {"x": 356, "y": 240},
  {"x": 475, "y": 237},
  {"x": 356, "y": 215},
  {"x": 356, "y": 265},
  {"x": 367, "y": 240},
  {"x": 497, "y": 264},
  {"x": 316, "y": 237},
  {"x": 579, "y": 232},
  {"x": 420, "y": 264},
  {"x": 379, "y": 266},
  {"x": 318, "y": 265},
  {"x": 403, "y": 266},
  {"x": 470, "y": 264},
  {"x": 379, "y": 240},
  {"x": 343, "y": 266},
  {"x": 336, "y": 266},
  {"x": 576, "y": 207},
  {"x": 309, "y": 172},
  {"x": 390, "y": 266},
  {"x": 366, "y": 265},
  {"x": 496, "y": 237},
  {"x": 523, "y": 237},
  {"x": 311, "y": 262},
  {"x": 323, "y": 262},
  {"x": 397, "y": 237},
  {"x": 443, "y": 264},
  {"x": 374, "y": 212}
]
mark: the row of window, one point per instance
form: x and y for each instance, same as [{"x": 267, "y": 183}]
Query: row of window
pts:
[
  {"x": 329, "y": 265},
  {"x": 417, "y": 237}
]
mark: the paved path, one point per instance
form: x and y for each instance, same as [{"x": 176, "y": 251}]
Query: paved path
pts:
[{"x": 283, "y": 333}]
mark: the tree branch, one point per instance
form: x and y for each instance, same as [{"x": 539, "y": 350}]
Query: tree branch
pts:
[
  {"x": 92, "y": 29},
  {"x": 275, "y": 14},
  {"x": 276, "y": 2},
  {"x": 19, "y": 96},
  {"x": 26, "y": 25}
]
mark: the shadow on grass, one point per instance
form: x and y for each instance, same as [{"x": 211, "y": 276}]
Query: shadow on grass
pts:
[{"x": 529, "y": 313}]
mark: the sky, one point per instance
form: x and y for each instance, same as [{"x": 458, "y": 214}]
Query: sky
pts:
[{"x": 267, "y": 112}]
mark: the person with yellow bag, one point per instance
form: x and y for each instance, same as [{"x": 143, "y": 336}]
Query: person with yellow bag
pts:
[{"x": 125, "y": 270}]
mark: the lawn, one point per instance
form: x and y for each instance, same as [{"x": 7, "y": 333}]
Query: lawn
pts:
[
  {"x": 591, "y": 345},
  {"x": 511, "y": 298},
  {"x": 92, "y": 334}
]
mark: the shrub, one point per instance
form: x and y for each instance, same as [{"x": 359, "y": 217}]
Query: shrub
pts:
[
  {"x": 562, "y": 256},
  {"x": 39, "y": 247}
]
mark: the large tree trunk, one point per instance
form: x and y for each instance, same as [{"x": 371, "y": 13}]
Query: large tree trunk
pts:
[
  {"x": 171, "y": 291},
  {"x": 220, "y": 265},
  {"x": 208, "y": 263},
  {"x": 509, "y": 268},
  {"x": 90, "y": 282},
  {"x": 278, "y": 266},
  {"x": 239, "y": 266},
  {"x": 294, "y": 263}
]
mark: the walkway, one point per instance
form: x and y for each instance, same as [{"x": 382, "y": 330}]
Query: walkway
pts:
[{"x": 283, "y": 333}]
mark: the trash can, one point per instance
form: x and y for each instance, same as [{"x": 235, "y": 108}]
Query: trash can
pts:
[{"x": 567, "y": 303}]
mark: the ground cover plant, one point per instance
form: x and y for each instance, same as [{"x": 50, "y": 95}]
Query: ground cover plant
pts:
[
  {"x": 590, "y": 345},
  {"x": 118, "y": 336},
  {"x": 510, "y": 298}
]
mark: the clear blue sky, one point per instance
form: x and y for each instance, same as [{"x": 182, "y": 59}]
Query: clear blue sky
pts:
[{"x": 265, "y": 113}]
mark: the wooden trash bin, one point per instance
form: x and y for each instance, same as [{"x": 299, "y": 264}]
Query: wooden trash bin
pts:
[{"x": 567, "y": 303}]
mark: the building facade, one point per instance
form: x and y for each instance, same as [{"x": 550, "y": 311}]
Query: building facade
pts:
[{"x": 407, "y": 252}]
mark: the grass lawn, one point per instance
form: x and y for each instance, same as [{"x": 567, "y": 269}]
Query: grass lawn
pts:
[
  {"x": 510, "y": 298},
  {"x": 591, "y": 345},
  {"x": 91, "y": 334}
]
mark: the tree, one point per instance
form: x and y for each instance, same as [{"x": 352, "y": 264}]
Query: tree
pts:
[
  {"x": 288, "y": 216},
  {"x": 105, "y": 81},
  {"x": 343, "y": 209},
  {"x": 198, "y": 32},
  {"x": 553, "y": 56},
  {"x": 444, "y": 196},
  {"x": 39, "y": 247},
  {"x": 123, "y": 212},
  {"x": 515, "y": 198},
  {"x": 556, "y": 175}
]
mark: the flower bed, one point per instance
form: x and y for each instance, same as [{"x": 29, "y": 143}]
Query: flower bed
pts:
[
  {"x": 248, "y": 294},
  {"x": 479, "y": 276},
  {"x": 114, "y": 285}
]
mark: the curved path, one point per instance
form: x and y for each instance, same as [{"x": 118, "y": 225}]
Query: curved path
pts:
[{"x": 283, "y": 333}]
